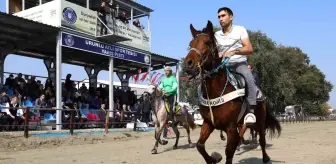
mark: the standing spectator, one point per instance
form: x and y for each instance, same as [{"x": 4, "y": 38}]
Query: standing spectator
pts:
[
  {"x": 146, "y": 109},
  {"x": 48, "y": 83},
  {"x": 40, "y": 103},
  {"x": 18, "y": 80},
  {"x": 102, "y": 16},
  {"x": 83, "y": 88},
  {"x": 68, "y": 83},
  {"x": 255, "y": 76},
  {"x": 10, "y": 82}
]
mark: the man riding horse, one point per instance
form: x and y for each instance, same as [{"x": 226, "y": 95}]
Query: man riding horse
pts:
[
  {"x": 168, "y": 86},
  {"x": 237, "y": 55}
]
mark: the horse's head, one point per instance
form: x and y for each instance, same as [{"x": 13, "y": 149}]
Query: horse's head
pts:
[
  {"x": 152, "y": 90},
  {"x": 203, "y": 53}
]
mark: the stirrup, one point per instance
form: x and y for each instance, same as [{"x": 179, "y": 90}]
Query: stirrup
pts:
[{"x": 249, "y": 119}]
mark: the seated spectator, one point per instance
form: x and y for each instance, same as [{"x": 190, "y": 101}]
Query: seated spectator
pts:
[
  {"x": 137, "y": 23},
  {"x": 4, "y": 98},
  {"x": 12, "y": 113},
  {"x": 96, "y": 102}
]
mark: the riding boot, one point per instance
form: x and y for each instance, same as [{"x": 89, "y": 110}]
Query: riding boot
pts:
[{"x": 250, "y": 118}]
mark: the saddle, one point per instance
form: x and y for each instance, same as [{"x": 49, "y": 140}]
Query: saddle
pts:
[
  {"x": 238, "y": 81},
  {"x": 177, "y": 108}
]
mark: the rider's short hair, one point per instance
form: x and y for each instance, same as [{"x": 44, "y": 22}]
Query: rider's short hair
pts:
[{"x": 228, "y": 10}]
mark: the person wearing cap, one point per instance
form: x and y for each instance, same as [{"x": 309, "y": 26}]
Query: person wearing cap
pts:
[{"x": 168, "y": 87}]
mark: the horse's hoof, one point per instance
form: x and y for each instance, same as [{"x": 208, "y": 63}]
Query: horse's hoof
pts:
[
  {"x": 266, "y": 159},
  {"x": 216, "y": 157},
  {"x": 174, "y": 147},
  {"x": 154, "y": 151},
  {"x": 164, "y": 142},
  {"x": 191, "y": 145}
]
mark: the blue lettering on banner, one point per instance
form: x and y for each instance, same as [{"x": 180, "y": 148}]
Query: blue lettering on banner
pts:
[{"x": 89, "y": 45}]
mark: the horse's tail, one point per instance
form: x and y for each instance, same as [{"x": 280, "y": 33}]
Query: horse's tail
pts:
[
  {"x": 191, "y": 121},
  {"x": 272, "y": 124}
]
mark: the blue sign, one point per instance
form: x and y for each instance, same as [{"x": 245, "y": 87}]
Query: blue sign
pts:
[{"x": 89, "y": 45}]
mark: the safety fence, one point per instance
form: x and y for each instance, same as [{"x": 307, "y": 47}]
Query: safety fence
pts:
[
  {"x": 305, "y": 119},
  {"x": 28, "y": 119}
]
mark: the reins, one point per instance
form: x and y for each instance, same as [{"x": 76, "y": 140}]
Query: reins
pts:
[{"x": 211, "y": 72}]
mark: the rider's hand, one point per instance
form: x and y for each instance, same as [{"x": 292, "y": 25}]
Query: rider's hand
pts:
[
  {"x": 229, "y": 54},
  {"x": 164, "y": 92}
]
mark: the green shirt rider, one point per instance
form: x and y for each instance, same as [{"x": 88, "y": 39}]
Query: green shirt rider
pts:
[{"x": 168, "y": 86}]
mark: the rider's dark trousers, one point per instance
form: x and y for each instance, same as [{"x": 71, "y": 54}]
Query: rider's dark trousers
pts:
[{"x": 171, "y": 101}]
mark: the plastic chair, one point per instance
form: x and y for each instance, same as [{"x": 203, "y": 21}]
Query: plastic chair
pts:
[
  {"x": 49, "y": 117},
  {"x": 92, "y": 117},
  {"x": 28, "y": 103}
]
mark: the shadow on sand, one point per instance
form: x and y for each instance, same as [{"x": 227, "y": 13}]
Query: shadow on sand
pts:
[
  {"x": 254, "y": 160},
  {"x": 249, "y": 147},
  {"x": 183, "y": 147}
]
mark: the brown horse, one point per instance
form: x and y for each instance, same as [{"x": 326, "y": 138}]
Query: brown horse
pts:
[
  {"x": 204, "y": 63},
  {"x": 160, "y": 118}
]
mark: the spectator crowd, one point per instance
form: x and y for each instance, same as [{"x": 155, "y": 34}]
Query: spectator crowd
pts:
[{"x": 89, "y": 104}]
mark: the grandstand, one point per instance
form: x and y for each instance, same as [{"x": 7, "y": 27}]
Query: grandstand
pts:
[{"x": 74, "y": 36}]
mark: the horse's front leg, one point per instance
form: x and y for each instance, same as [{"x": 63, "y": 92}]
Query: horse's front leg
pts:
[
  {"x": 157, "y": 136},
  {"x": 206, "y": 130},
  {"x": 233, "y": 140}
]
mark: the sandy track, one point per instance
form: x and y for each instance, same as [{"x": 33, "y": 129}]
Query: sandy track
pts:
[{"x": 304, "y": 143}]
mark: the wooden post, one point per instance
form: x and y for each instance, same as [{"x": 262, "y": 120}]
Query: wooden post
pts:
[
  {"x": 107, "y": 119},
  {"x": 135, "y": 122},
  {"x": 26, "y": 123},
  {"x": 121, "y": 115},
  {"x": 71, "y": 119}
]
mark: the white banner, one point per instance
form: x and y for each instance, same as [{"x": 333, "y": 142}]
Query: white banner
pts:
[
  {"x": 47, "y": 13},
  {"x": 140, "y": 39},
  {"x": 78, "y": 18}
]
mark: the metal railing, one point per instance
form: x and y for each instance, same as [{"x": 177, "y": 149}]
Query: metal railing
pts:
[{"x": 107, "y": 123}]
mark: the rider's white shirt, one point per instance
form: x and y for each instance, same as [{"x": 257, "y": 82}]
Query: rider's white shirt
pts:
[{"x": 225, "y": 41}]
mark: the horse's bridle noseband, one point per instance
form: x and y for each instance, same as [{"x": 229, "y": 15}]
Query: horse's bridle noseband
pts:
[{"x": 204, "y": 57}]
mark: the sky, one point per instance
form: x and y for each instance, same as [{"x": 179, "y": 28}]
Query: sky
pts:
[{"x": 305, "y": 24}]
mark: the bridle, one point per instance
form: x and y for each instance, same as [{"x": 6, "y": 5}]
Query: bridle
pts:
[{"x": 204, "y": 58}]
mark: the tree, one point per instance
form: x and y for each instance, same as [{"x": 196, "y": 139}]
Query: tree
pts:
[
  {"x": 286, "y": 74},
  {"x": 188, "y": 89}
]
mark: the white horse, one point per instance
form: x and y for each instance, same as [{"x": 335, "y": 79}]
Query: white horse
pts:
[{"x": 160, "y": 118}]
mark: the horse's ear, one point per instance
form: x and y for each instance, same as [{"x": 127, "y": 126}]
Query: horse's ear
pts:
[
  {"x": 210, "y": 28},
  {"x": 194, "y": 32}
]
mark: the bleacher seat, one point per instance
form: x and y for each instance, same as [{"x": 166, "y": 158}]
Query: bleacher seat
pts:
[
  {"x": 92, "y": 117},
  {"x": 49, "y": 117}
]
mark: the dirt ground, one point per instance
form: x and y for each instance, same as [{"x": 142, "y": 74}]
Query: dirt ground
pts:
[{"x": 302, "y": 143}]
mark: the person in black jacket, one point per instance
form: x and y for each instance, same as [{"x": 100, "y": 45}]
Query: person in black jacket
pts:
[
  {"x": 102, "y": 16},
  {"x": 145, "y": 108},
  {"x": 255, "y": 76}
]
